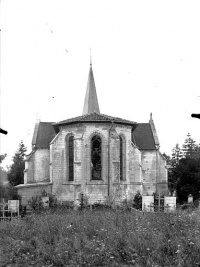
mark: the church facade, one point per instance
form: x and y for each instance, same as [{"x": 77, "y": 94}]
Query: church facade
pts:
[{"x": 99, "y": 156}]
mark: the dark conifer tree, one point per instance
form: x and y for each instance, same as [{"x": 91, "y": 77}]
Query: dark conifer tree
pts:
[
  {"x": 184, "y": 175},
  {"x": 189, "y": 147},
  {"x": 16, "y": 171}
]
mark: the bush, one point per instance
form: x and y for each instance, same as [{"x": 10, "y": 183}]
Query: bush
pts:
[
  {"x": 137, "y": 201},
  {"x": 35, "y": 202}
]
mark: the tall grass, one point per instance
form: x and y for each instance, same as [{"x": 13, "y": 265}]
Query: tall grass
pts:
[{"x": 102, "y": 238}]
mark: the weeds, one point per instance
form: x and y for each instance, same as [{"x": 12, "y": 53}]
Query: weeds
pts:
[{"x": 102, "y": 238}]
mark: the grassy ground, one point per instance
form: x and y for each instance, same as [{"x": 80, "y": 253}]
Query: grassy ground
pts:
[{"x": 101, "y": 238}]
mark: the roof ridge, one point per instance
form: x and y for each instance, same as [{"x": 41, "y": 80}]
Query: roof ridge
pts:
[{"x": 94, "y": 116}]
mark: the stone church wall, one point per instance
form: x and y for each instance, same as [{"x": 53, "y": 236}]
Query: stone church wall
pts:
[
  {"x": 154, "y": 173},
  {"x": 29, "y": 191},
  {"x": 95, "y": 189},
  {"x": 162, "y": 175},
  {"x": 41, "y": 165},
  {"x": 135, "y": 171},
  {"x": 142, "y": 168},
  {"x": 149, "y": 159},
  {"x": 37, "y": 167},
  {"x": 29, "y": 170}
]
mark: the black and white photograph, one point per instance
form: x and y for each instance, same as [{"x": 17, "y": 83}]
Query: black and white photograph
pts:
[{"x": 99, "y": 133}]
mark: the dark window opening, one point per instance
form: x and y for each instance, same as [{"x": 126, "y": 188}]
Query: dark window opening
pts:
[
  {"x": 71, "y": 158},
  {"x": 96, "y": 158},
  {"x": 121, "y": 158}
]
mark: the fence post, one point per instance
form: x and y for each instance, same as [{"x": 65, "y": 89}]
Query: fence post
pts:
[
  {"x": 159, "y": 203},
  {"x": 3, "y": 211}
]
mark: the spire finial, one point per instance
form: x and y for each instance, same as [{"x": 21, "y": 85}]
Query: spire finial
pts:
[
  {"x": 151, "y": 116},
  {"x": 90, "y": 57}
]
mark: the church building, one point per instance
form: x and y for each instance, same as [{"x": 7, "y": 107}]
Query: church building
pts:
[{"x": 99, "y": 156}]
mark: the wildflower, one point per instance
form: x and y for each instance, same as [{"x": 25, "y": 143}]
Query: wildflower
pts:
[
  {"x": 148, "y": 249},
  {"x": 69, "y": 225},
  {"x": 191, "y": 243},
  {"x": 178, "y": 251}
]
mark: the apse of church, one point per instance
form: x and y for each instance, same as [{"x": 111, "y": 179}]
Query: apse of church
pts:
[{"x": 94, "y": 154}]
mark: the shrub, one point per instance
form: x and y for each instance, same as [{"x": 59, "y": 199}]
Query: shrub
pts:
[
  {"x": 137, "y": 201},
  {"x": 35, "y": 202}
]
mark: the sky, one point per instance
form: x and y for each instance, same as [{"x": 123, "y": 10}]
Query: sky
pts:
[{"x": 145, "y": 57}]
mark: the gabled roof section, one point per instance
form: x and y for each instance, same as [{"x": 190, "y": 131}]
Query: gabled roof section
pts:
[
  {"x": 95, "y": 117},
  {"x": 143, "y": 137},
  {"x": 91, "y": 102},
  {"x": 43, "y": 134}
]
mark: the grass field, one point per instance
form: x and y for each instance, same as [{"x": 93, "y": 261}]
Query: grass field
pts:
[{"x": 101, "y": 238}]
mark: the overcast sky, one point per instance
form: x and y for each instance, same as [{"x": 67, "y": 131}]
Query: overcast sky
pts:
[{"x": 145, "y": 54}]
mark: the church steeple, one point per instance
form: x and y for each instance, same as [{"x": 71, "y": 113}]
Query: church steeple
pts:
[{"x": 91, "y": 102}]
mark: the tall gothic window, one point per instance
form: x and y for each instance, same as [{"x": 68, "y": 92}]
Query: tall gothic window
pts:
[
  {"x": 122, "y": 158},
  {"x": 70, "y": 158},
  {"x": 96, "y": 158}
]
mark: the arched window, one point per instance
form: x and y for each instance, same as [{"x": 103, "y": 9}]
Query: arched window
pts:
[
  {"x": 96, "y": 158},
  {"x": 70, "y": 157},
  {"x": 122, "y": 158}
]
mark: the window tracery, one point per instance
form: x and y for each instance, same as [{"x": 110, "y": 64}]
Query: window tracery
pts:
[{"x": 96, "y": 164}]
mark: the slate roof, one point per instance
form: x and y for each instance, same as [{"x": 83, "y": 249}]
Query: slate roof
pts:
[
  {"x": 91, "y": 102},
  {"x": 95, "y": 117},
  {"x": 43, "y": 134},
  {"x": 143, "y": 137}
]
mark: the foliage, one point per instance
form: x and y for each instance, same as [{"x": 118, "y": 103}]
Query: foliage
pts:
[
  {"x": 137, "y": 201},
  {"x": 189, "y": 147},
  {"x": 3, "y": 178},
  {"x": 35, "y": 202},
  {"x": 176, "y": 155},
  {"x": 102, "y": 238},
  {"x": 2, "y": 157},
  {"x": 184, "y": 171},
  {"x": 16, "y": 171},
  {"x": 52, "y": 201},
  {"x": 83, "y": 200}
]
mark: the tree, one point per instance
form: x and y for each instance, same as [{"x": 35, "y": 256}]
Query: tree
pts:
[
  {"x": 3, "y": 177},
  {"x": 172, "y": 163},
  {"x": 176, "y": 155},
  {"x": 189, "y": 147},
  {"x": 188, "y": 173},
  {"x": 184, "y": 174},
  {"x": 16, "y": 171}
]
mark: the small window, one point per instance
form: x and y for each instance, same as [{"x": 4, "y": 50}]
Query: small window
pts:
[
  {"x": 96, "y": 158},
  {"x": 70, "y": 158}
]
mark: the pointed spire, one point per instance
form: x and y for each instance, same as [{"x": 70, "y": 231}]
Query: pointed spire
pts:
[
  {"x": 91, "y": 102},
  {"x": 153, "y": 128}
]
